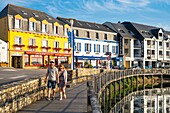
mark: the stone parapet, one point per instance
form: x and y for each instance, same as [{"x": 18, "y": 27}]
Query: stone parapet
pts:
[{"x": 17, "y": 95}]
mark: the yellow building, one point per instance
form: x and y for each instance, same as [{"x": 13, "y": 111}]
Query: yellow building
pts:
[{"x": 34, "y": 37}]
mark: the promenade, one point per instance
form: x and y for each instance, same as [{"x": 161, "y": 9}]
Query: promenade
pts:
[{"x": 76, "y": 102}]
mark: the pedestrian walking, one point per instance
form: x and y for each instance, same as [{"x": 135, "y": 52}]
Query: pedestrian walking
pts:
[
  {"x": 62, "y": 82},
  {"x": 52, "y": 76}
]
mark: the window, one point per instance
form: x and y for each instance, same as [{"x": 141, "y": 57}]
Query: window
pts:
[
  {"x": 44, "y": 43},
  {"x": 18, "y": 40},
  {"x": 121, "y": 31},
  {"x": 160, "y": 52},
  {"x": 32, "y": 42},
  {"x": 113, "y": 49},
  {"x": 126, "y": 51},
  {"x": 148, "y": 42},
  {"x": 167, "y": 44},
  {"x": 105, "y": 48},
  {"x": 65, "y": 31},
  {"x": 17, "y": 23},
  {"x": 35, "y": 14},
  {"x": 96, "y": 48},
  {"x": 87, "y": 47},
  {"x": 77, "y": 32},
  {"x": 87, "y": 34},
  {"x": 55, "y": 29},
  {"x": 97, "y": 35},
  {"x": 56, "y": 44},
  {"x": 105, "y": 36},
  {"x": 167, "y": 53},
  {"x": 160, "y": 43},
  {"x": 114, "y": 37},
  {"x": 78, "y": 46},
  {"x": 126, "y": 41},
  {"x": 44, "y": 27},
  {"x": 31, "y": 26},
  {"x": 65, "y": 45},
  {"x": 153, "y": 52},
  {"x": 160, "y": 34}
]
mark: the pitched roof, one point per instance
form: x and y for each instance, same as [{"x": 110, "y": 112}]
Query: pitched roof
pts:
[
  {"x": 86, "y": 25},
  {"x": 27, "y": 13},
  {"x": 119, "y": 28},
  {"x": 140, "y": 30}
]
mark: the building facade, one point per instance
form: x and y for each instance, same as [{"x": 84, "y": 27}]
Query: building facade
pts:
[
  {"x": 92, "y": 43},
  {"x": 127, "y": 45},
  {"x": 154, "y": 44},
  {"x": 3, "y": 51},
  {"x": 34, "y": 37}
]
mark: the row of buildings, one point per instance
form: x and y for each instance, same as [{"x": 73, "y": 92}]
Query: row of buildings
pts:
[{"x": 31, "y": 38}]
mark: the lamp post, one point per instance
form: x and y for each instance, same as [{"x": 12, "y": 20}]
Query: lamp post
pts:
[{"x": 72, "y": 43}]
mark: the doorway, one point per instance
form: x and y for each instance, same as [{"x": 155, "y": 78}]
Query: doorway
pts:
[{"x": 17, "y": 61}]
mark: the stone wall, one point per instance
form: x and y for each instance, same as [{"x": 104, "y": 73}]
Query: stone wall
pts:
[{"x": 17, "y": 95}]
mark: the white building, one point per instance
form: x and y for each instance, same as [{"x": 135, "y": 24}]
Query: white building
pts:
[
  {"x": 3, "y": 51},
  {"x": 155, "y": 47}
]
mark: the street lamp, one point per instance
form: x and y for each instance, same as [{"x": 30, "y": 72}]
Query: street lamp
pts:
[{"x": 72, "y": 43}]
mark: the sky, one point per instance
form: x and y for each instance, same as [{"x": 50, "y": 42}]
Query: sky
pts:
[{"x": 149, "y": 12}]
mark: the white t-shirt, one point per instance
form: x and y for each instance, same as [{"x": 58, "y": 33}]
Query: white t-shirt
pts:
[{"x": 52, "y": 73}]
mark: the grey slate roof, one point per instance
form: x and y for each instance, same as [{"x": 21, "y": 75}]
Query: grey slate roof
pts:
[
  {"x": 119, "y": 28},
  {"x": 141, "y": 31},
  {"x": 27, "y": 13},
  {"x": 86, "y": 25}
]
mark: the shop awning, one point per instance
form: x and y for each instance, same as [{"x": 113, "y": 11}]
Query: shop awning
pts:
[
  {"x": 38, "y": 53},
  {"x": 90, "y": 58}
]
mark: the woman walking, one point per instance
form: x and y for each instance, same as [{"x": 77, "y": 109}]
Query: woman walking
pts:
[{"x": 62, "y": 82}]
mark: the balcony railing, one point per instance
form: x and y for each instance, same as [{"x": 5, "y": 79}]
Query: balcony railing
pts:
[
  {"x": 160, "y": 56},
  {"x": 137, "y": 46},
  {"x": 33, "y": 46},
  {"x": 19, "y": 45}
]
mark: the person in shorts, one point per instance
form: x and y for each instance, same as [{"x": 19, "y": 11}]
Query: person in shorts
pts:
[
  {"x": 62, "y": 82},
  {"x": 52, "y": 75}
]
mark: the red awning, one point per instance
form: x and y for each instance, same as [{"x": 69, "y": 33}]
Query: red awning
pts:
[
  {"x": 63, "y": 54},
  {"x": 38, "y": 53}
]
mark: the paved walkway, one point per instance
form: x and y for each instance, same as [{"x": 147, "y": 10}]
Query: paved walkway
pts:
[{"x": 76, "y": 102}]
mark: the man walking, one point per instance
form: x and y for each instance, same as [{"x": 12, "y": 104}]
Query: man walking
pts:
[{"x": 52, "y": 75}]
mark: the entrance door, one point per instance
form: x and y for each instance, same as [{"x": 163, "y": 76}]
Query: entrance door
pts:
[{"x": 17, "y": 61}]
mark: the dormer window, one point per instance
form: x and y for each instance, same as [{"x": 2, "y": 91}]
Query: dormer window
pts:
[
  {"x": 44, "y": 27},
  {"x": 55, "y": 29},
  {"x": 25, "y": 13},
  {"x": 32, "y": 26},
  {"x": 105, "y": 36},
  {"x": 120, "y": 30},
  {"x": 97, "y": 26},
  {"x": 17, "y": 23},
  {"x": 88, "y": 24},
  {"x": 97, "y": 35},
  {"x": 35, "y": 14},
  {"x": 48, "y": 17},
  {"x": 87, "y": 34},
  {"x": 160, "y": 34},
  {"x": 79, "y": 23}
]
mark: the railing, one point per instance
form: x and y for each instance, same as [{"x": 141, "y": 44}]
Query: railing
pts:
[{"x": 101, "y": 81}]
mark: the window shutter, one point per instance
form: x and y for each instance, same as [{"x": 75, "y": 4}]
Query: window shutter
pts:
[
  {"x": 85, "y": 47},
  {"x": 90, "y": 47},
  {"x": 99, "y": 48},
  {"x": 30, "y": 41},
  {"x": 16, "y": 40},
  {"x": 116, "y": 49},
  {"x": 94, "y": 47},
  {"x": 103, "y": 48},
  {"x": 34, "y": 43},
  {"x": 80, "y": 46},
  {"x": 55, "y": 44}
]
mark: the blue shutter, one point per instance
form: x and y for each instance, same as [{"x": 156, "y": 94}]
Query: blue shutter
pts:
[
  {"x": 90, "y": 47},
  {"x": 94, "y": 47},
  {"x": 112, "y": 49},
  {"x": 85, "y": 47},
  {"x": 99, "y": 48},
  {"x": 103, "y": 48},
  {"x": 107, "y": 48},
  {"x": 117, "y": 50},
  {"x": 80, "y": 46}
]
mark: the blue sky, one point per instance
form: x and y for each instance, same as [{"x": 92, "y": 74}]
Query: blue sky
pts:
[{"x": 151, "y": 12}]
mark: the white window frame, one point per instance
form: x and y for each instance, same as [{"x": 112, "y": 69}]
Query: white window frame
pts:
[
  {"x": 18, "y": 40},
  {"x": 78, "y": 46},
  {"x": 87, "y": 49},
  {"x": 56, "y": 44},
  {"x": 32, "y": 26},
  {"x": 32, "y": 41},
  {"x": 44, "y": 28},
  {"x": 18, "y": 23},
  {"x": 44, "y": 43}
]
